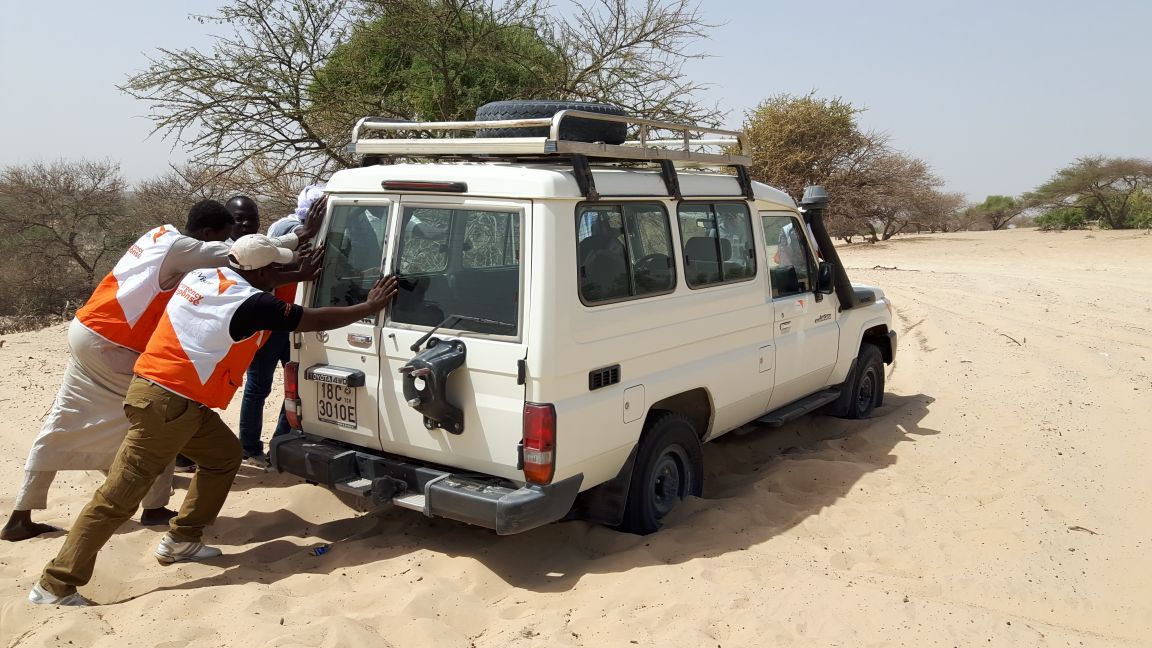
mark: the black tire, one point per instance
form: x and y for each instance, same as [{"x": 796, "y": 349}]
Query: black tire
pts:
[
  {"x": 669, "y": 467},
  {"x": 575, "y": 129},
  {"x": 866, "y": 389}
]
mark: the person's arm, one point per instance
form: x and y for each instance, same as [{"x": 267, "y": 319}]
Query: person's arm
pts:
[
  {"x": 308, "y": 269},
  {"x": 313, "y": 220},
  {"x": 267, "y": 312},
  {"x": 334, "y": 317},
  {"x": 289, "y": 241},
  {"x": 188, "y": 254}
]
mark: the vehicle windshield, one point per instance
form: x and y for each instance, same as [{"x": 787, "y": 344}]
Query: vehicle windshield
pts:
[{"x": 463, "y": 262}]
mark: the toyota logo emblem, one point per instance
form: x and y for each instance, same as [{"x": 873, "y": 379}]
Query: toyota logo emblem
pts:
[{"x": 322, "y": 336}]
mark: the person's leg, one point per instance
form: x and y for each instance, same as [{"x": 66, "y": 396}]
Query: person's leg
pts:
[
  {"x": 33, "y": 495},
  {"x": 257, "y": 386},
  {"x": 161, "y": 423},
  {"x": 83, "y": 428},
  {"x": 283, "y": 340},
  {"x": 155, "y": 509},
  {"x": 217, "y": 455},
  {"x": 282, "y": 426}
]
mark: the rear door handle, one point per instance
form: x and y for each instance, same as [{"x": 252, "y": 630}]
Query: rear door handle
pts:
[{"x": 358, "y": 340}]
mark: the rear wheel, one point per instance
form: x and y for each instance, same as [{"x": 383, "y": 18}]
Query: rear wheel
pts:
[
  {"x": 669, "y": 467},
  {"x": 866, "y": 389}
]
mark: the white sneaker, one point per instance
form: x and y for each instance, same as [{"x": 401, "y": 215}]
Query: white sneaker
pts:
[
  {"x": 260, "y": 461},
  {"x": 41, "y": 596},
  {"x": 170, "y": 551}
]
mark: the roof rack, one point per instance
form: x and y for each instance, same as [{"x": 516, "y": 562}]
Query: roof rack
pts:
[{"x": 686, "y": 150}]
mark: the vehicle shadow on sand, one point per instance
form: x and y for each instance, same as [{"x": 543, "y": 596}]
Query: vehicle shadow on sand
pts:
[{"x": 759, "y": 482}]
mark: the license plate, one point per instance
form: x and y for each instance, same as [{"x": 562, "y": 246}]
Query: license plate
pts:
[{"x": 336, "y": 404}]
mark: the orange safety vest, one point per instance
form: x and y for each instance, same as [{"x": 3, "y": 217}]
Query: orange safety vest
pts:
[
  {"x": 126, "y": 306},
  {"x": 192, "y": 353}
]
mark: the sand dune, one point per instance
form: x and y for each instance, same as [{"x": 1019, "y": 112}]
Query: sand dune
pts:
[{"x": 1002, "y": 496}]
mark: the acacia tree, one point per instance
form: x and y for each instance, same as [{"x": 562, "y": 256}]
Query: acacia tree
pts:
[
  {"x": 266, "y": 89},
  {"x": 998, "y": 211},
  {"x": 1108, "y": 189},
  {"x": 631, "y": 53},
  {"x": 62, "y": 225},
  {"x": 422, "y": 60},
  {"x": 899, "y": 190},
  {"x": 246, "y": 98},
  {"x": 875, "y": 190},
  {"x": 166, "y": 198},
  {"x": 70, "y": 214},
  {"x": 800, "y": 141},
  {"x": 938, "y": 211}
]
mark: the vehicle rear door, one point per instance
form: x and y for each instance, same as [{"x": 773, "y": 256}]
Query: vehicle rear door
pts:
[
  {"x": 339, "y": 373},
  {"x": 459, "y": 256}
]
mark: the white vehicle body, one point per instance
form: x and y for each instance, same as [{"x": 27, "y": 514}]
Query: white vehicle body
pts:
[{"x": 514, "y": 246}]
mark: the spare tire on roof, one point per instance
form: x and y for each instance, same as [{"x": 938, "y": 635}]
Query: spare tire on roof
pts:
[{"x": 572, "y": 128}]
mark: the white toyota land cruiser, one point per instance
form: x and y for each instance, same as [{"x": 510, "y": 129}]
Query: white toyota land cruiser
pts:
[{"x": 577, "y": 315}]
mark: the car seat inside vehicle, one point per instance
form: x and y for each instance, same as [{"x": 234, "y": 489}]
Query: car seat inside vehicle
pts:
[
  {"x": 603, "y": 262},
  {"x": 703, "y": 256}
]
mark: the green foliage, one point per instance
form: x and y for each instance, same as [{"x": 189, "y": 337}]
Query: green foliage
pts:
[
  {"x": 1108, "y": 189},
  {"x": 434, "y": 60},
  {"x": 1062, "y": 218},
  {"x": 799, "y": 141},
  {"x": 998, "y": 211},
  {"x": 1142, "y": 209},
  {"x": 285, "y": 80}
]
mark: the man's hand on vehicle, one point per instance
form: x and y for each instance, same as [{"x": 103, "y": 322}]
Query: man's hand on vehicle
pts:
[
  {"x": 313, "y": 220},
  {"x": 311, "y": 263},
  {"x": 382, "y": 293}
]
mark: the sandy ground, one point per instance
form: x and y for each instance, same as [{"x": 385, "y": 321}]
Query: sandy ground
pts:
[{"x": 1002, "y": 496}]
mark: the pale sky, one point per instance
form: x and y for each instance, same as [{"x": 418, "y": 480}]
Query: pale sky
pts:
[{"x": 995, "y": 95}]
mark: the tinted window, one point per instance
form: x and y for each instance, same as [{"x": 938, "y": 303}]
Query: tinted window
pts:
[
  {"x": 354, "y": 251},
  {"x": 623, "y": 251},
  {"x": 462, "y": 262},
  {"x": 789, "y": 262},
  {"x": 717, "y": 242}
]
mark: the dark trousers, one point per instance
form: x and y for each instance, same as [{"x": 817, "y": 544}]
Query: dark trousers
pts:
[{"x": 257, "y": 387}]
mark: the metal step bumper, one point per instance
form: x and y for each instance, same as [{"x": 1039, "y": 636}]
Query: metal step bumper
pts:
[{"x": 475, "y": 499}]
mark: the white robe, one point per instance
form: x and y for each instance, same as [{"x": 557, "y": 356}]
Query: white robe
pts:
[{"x": 86, "y": 424}]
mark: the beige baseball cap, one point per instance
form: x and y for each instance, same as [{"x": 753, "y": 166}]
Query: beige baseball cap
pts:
[{"x": 254, "y": 251}]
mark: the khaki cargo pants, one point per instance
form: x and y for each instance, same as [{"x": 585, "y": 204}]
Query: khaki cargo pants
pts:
[{"x": 162, "y": 425}]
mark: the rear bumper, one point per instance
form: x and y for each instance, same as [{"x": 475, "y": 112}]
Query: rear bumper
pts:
[{"x": 476, "y": 499}]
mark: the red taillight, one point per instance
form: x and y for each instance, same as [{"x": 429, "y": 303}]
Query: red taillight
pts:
[
  {"x": 539, "y": 443},
  {"x": 292, "y": 394}
]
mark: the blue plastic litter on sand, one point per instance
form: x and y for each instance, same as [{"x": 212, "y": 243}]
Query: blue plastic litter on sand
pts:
[{"x": 319, "y": 550}]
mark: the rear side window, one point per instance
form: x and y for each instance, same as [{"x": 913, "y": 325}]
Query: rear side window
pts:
[
  {"x": 718, "y": 244},
  {"x": 623, "y": 251},
  {"x": 354, "y": 252}
]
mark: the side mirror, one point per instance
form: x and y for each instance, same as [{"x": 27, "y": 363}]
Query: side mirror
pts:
[{"x": 825, "y": 283}]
